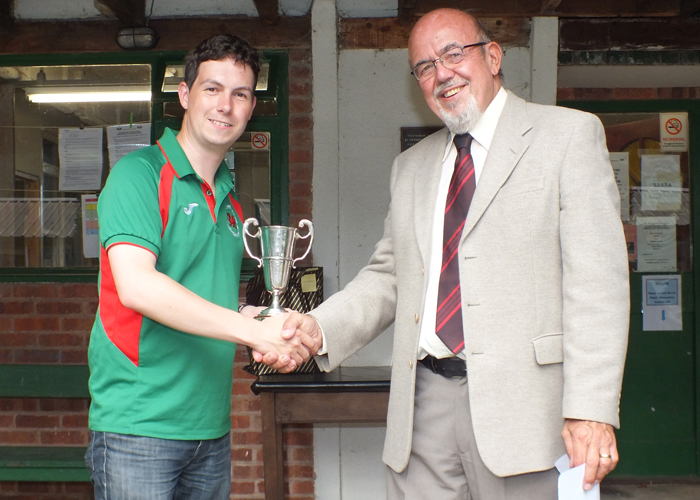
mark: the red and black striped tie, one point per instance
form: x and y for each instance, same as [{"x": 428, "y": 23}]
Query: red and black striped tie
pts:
[{"x": 448, "y": 324}]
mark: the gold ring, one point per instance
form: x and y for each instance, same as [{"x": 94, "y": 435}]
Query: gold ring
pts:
[{"x": 605, "y": 455}]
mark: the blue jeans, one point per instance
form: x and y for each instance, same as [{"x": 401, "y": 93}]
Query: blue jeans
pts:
[{"x": 125, "y": 467}]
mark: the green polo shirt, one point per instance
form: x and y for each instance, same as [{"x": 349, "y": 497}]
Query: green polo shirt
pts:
[{"x": 147, "y": 379}]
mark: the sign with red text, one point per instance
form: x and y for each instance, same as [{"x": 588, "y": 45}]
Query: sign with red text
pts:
[{"x": 674, "y": 131}]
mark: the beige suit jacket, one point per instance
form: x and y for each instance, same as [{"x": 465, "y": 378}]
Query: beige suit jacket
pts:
[{"x": 545, "y": 294}]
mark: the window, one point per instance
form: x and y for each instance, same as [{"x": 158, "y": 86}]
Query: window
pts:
[{"x": 65, "y": 121}]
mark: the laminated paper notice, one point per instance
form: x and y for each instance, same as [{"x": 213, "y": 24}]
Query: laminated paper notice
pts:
[
  {"x": 91, "y": 236},
  {"x": 656, "y": 244},
  {"x": 674, "y": 131},
  {"x": 662, "y": 308},
  {"x": 123, "y": 139},
  {"x": 621, "y": 164},
  {"x": 661, "y": 183},
  {"x": 80, "y": 156}
]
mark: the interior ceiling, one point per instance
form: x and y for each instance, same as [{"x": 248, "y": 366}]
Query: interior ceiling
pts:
[
  {"x": 559, "y": 8},
  {"x": 132, "y": 12}
]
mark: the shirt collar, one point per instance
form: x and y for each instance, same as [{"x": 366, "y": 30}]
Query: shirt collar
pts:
[
  {"x": 174, "y": 154},
  {"x": 182, "y": 166},
  {"x": 484, "y": 129}
]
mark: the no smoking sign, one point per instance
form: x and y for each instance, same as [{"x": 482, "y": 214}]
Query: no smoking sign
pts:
[
  {"x": 674, "y": 126},
  {"x": 674, "y": 131},
  {"x": 260, "y": 140}
]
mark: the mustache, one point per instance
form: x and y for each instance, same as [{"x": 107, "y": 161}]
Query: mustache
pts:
[{"x": 454, "y": 82}]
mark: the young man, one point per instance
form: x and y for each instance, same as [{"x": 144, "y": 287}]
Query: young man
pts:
[
  {"x": 162, "y": 347},
  {"x": 503, "y": 265}
]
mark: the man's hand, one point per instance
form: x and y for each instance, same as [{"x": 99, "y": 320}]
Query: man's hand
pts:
[
  {"x": 301, "y": 326},
  {"x": 251, "y": 311},
  {"x": 288, "y": 352},
  {"x": 592, "y": 443}
]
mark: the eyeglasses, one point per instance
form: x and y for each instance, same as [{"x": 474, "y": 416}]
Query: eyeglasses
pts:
[{"x": 425, "y": 70}]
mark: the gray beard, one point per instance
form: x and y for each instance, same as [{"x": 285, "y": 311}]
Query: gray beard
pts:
[{"x": 461, "y": 123}]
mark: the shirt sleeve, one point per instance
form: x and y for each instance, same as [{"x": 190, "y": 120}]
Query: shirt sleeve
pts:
[{"x": 128, "y": 207}]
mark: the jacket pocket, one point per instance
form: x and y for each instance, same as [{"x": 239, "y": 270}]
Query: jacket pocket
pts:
[
  {"x": 524, "y": 186},
  {"x": 549, "y": 348}
]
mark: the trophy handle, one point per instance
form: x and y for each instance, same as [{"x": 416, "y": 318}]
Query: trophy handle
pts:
[
  {"x": 246, "y": 224},
  {"x": 310, "y": 235}
]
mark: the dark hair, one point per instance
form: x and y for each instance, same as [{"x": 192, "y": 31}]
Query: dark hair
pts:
[{"x": 218, "y": 47}]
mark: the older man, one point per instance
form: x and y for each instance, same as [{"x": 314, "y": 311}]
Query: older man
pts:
[{"x": 503, "y": 265}]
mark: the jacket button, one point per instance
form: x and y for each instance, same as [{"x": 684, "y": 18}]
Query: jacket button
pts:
[
  {"x": 410, "y": 364},
  {"x": 417, "y": 317}
]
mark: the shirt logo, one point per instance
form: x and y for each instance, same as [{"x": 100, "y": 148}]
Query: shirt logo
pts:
[{"x": 188, "y": 209}]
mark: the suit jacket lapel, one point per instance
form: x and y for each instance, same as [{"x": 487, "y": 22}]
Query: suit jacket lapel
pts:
[
  {"x": 507, "y": 147},
  {"x": 425, "y": 187}
]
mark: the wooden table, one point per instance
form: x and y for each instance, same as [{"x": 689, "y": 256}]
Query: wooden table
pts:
[{"x": 351, "y": 394}]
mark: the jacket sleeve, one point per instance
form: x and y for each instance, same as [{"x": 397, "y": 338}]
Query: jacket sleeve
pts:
[{"x": 595, "y": 281}]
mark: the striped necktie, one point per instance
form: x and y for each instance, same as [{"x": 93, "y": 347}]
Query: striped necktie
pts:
[{"x": 448, "y": 324}]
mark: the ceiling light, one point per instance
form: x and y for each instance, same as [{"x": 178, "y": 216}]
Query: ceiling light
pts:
[
  {"x": 83, "y": 94},
  {"x": 91, "y": 97},
  {"x": 139, "y": 38}
]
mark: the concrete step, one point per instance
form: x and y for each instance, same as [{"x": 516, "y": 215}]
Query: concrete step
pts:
[{"x": 650, "y": 491}]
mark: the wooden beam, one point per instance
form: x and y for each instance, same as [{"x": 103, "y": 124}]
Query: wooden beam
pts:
[
  {"x": 268, "y": 10},
  {"x": 690, "y": 8},
  {"x": 129, "y": 12},
  {"x": 406, "y": 11},
  {"x": 175, "y": 34},
  {"x": 550, "y": 5},
  {"x": 388, "y": 33},
  {"x": 629, "y": 34},
  {"x": 571, "y": 8},
  {"x": 7, "y": 20}
]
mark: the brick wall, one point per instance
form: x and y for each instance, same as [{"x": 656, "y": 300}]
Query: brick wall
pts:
[{"x": 50, "y": 323}]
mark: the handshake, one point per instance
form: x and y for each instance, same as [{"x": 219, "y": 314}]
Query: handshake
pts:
[{"x": 286, "y": 340}]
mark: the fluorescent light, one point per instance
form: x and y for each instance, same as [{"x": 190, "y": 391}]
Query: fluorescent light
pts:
[{"x": 126, "y": 96}]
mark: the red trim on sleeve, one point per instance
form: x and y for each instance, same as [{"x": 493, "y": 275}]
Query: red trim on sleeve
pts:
[{"x": 121, "y": 324}]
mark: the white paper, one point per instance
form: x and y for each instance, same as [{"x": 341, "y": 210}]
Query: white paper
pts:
[
  {"x": 123, "y": 139},
  {"x": 656, "y": 244},
  {"x": 662, "y": 307},
  {"x": 661, "y": 183},
  {"x": 571, "y": 482},
  {"x": 620, "y": 164},
  {"x": 80, "y": 157},
  {"x": 91, "y": 237}
]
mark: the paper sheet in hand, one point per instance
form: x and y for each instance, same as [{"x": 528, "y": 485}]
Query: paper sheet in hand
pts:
[{"x": 571, "y": 482}]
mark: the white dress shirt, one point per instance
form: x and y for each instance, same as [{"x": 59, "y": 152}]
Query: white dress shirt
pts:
[{"x": 482, "y": 132}]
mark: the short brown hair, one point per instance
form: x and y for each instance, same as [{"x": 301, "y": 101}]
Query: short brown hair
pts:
[{"x": 218, "y": 47}]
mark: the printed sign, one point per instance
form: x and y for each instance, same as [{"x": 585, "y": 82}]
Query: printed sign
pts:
[
  {"x": 662, "y": 309},
  {"x": 260, "y": 140},
  {"x": 674, "y": 131}
]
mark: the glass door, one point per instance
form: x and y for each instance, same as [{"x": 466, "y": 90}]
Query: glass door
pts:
[{"x": 655, "y": 167}]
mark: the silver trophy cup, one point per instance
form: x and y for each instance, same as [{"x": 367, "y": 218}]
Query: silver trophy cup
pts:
[{"x": 277, "y": 251}]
